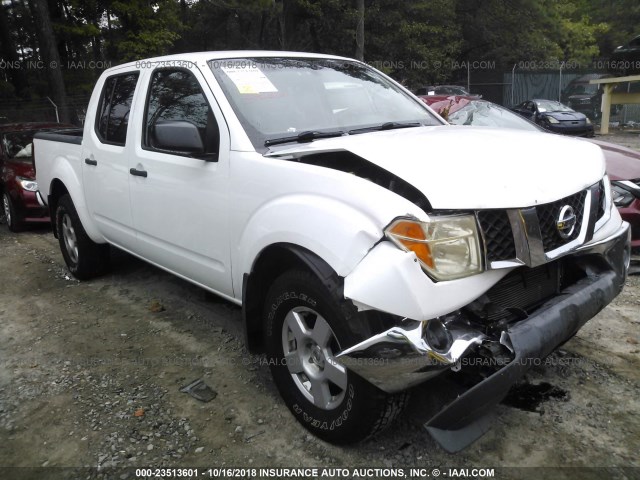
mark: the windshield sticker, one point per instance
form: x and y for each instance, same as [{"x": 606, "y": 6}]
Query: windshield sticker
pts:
[{"x": 249, "y": 79}]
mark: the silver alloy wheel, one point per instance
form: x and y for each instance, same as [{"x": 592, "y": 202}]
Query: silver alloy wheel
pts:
[
  {"x": 70, "y": 239},
  {"x": 7, "y": 208},
  {"x": 307, "y": 343}
]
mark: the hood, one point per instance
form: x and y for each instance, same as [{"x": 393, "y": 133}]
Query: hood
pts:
[
  {"x": 20, "y": 168},
  {"x": 622, "y": 163},
  {"x": 565, "y": 116},
  {"x": 473, "y": 168}
]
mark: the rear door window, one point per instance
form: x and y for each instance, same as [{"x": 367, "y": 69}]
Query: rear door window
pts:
[{"x": 114, "y": 108}]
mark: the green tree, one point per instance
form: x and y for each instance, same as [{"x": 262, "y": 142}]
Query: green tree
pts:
[
  {"x": 623, "y": 17},
  {"x": 51, "y": 57},
  {"x": 513, "y": 31},
  {"x": 416, "y": 42},
  {"x": 142, "y": 29}
]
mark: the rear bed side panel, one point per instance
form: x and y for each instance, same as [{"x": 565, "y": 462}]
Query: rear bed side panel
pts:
[{"x": 62, "y": 161}]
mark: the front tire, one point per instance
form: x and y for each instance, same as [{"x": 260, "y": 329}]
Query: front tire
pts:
[
  {"x": 305, "y": 327},
  {"x": 84, "y": 258},
  {"x": 11, "y": 214}
]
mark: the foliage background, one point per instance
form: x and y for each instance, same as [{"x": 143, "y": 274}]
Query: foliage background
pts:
[{"x": 81, "y": 37}]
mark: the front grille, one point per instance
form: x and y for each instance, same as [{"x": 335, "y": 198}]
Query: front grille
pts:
[
  {"x": 522, "y": 292},
  {"x": 518, "y": 294},
  {"x": 497, "y": 234},
  {"x": 548, "y": 217},
  {"x": 501, "y": 242},
  {"x": 601, "y": 198}
]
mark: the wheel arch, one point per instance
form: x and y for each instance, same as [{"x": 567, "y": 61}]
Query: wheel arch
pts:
[
  {"x": 57, "y": 188},
  {"x": 56, "y": 191},
  {"x": 272, "y": 262}
]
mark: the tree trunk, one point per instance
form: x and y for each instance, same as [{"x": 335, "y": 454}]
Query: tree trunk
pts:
[
  {"x": 51, "y": 57},
  {"x": 10, "y": 54},
  {"x": 288, "y": 20},
  {"x": 283, "y": 25},
  {"x": 360, "y": 32}
]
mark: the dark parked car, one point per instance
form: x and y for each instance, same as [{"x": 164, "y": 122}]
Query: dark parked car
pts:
[
  {"x": 586, "y": 97},
  {"x": 623, "y": 164},
  {"x": 625, "y": 60},
  {"x": 556, "y": 117},
  {"x": 20, "y": 198}
]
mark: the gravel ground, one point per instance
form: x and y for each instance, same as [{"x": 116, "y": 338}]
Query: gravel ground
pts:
[{"x": 91, "y": 372}]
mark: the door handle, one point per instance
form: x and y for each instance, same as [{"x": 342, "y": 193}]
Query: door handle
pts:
[
  {"x": 138, "y": 173},
  {"x": 88, "y": 161}
]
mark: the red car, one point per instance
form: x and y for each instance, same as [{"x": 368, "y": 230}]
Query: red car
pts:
[
  {"x": 20, "y": 197},
  {"x": 623, "y": 167},
  {"x": 623, "y": 164}
]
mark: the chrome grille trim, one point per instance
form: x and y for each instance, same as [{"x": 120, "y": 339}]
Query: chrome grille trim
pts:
[{"x": 529, "y": 237}]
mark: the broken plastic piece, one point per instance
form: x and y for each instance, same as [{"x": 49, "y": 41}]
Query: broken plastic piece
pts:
[{"x": 200, "y": 391}]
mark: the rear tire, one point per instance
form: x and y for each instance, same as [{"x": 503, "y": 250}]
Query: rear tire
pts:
[
  {"x": 11, "y": 216},
  {"x": 305, "y": 326},
  {"x": 84, "y": 258}
]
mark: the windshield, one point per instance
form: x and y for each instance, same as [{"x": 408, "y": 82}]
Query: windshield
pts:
[
  {"x": 581, "y": 89},
  {"x": 276, "y": 98},
  {"x": 18, "y": 145},
  {"x": 549, "y": 106},
  {"x": 485, "y": 114},
  {"x": 450, "y": 90}
]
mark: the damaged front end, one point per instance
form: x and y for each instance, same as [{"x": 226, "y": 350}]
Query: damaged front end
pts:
[{"x": 488, "y": 344}]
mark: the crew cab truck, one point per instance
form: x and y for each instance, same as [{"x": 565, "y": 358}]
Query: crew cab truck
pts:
[{"x": 371, "y": 246}]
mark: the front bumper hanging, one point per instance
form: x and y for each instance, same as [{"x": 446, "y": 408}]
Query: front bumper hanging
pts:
[{"x": 408, "y": 353}]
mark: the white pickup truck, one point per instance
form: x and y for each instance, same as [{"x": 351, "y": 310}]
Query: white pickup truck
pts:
[{"x": 371, "y": 246}]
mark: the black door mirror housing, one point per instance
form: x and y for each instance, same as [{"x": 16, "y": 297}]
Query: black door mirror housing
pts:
[{"x": 180, "y": 136}]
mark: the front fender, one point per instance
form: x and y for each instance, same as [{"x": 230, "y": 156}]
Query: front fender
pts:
[
  {"x": 336, "y": 232},
  {"x": 391, "y": 280}
]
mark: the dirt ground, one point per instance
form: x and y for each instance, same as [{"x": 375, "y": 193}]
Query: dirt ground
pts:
[{"x": 90, "y": 376}]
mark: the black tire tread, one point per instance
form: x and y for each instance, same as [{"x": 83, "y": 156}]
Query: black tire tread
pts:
[
  {"x": 380, "y": 409},
  {"x": 16, "y": 225},
  {"x": 93, "y": 258},
  {"x": 395, "y": 405}
]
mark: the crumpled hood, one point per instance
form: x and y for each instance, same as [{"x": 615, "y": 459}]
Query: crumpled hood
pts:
[{"x": 473, "y": 168}]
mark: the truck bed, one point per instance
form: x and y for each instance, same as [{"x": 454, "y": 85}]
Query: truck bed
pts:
[{"x": 69, "y": 135}]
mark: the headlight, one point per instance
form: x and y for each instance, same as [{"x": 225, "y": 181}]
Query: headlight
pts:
[
  {"x": 26, "y": 184},
  {"x": 552, "y": 120},
  {"x": 621, "y": 196},
  {"x": 586, "y": 119},
  {"x": 447, "y": 247}
]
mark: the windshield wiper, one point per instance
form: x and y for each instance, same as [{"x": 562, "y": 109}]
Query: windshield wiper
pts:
[
  {"x": 385, "y": 126},
  {"x": 303, "y": 137}
]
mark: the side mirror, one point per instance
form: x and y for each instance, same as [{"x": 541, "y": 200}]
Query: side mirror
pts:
[{"x": 178, "y": 136}]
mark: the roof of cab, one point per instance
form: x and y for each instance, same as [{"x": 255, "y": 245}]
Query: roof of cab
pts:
[{"x": 200, "y": 58}]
